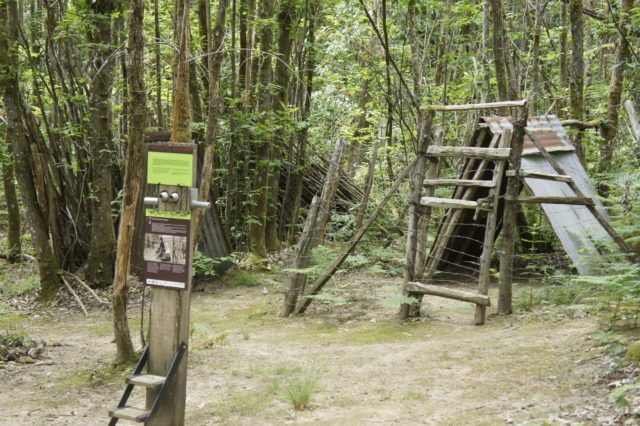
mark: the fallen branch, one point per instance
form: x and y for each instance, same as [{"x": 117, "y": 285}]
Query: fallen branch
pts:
[
  {"x": 75, "y": 295},
  {"x": 86, "y": 286}
]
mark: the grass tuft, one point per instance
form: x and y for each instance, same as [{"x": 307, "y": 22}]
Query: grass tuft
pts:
[{"x": 298, "y": 393}]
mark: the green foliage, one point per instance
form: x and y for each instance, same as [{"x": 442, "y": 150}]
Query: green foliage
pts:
[
  {"x": 299, "y": 392},
  {"x": 240, "y": 278},
  {"x": 619, "y": 395}
]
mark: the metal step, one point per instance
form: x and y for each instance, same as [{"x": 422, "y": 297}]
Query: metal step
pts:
[
  {"x": 130, "y": 413},
  {"x": 147, "y": 380}
]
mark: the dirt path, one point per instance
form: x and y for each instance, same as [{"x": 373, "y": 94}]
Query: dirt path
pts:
[{"x": 367, "y": 368}]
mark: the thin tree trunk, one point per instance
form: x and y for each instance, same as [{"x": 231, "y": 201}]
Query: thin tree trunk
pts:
[
  {"x": 216, "y": 39},
  {"x": 564, "y": 65},
  {"x": 368, "y": 184},
  {"x": 132, "y": 183},
  {"x": 535, "y": 66},
  {"x": 610, "y": 128},
  {"x": 260, "y": 190},
  {"x": 14, "y": 246},
  {"x": 17, "y": 115},
  {"x": 576, "y": 84},
  {"x": 158, "y": 66},
  {"x": 100, "y": 264}
]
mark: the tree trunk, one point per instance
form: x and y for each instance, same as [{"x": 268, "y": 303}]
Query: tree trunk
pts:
[
  {"x": 17, "y": 113},
  {"x": 100, "y": 264},
  {"x": 158, "y": 66},
  {"x": 501, "y": 53},
  {"x": 286, "y": 16},
  {"x": 610, "y": 127},
  {"x": 260, "y": 190},
  {"x": 215, "y": 108},
  {"x": 132, "y": 182},
  {"x": 14, "y": 246},
  {"x": 576, "y": 85}
]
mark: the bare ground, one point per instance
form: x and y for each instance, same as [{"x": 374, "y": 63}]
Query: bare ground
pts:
[{"x": 530, "y": 368}]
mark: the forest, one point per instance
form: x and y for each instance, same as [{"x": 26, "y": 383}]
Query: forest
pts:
[{"x": 413, "y": 205}]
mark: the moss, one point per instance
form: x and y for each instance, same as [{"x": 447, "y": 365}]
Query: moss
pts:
[
  {"x": 240, "y": 278},
  {"x": 633, "y": 353}
]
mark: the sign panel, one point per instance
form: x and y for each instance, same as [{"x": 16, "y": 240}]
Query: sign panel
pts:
[
  {"x": 166, "y": 251},
  {"x": 170, "y": 164}
]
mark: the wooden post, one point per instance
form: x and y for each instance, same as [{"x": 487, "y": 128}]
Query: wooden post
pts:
[
  {"x": 490, "y": 231},
  {"x": 426, "y": 121},
  {"x": 425, "y": 217},
  {"x": 168, "y": 329},
  {"x": 510, "y": 212},
  {"x": 328, "y": 193},
  {"x": 303, "y": 255}
]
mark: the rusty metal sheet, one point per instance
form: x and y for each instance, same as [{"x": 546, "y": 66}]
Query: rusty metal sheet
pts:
[{"x": 547, "y": 128}]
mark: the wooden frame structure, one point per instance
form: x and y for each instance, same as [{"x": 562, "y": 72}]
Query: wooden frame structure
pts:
[{"x": 474, "y": 191}]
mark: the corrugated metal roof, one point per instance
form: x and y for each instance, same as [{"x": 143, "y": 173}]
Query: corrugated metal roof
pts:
[{"x": 547, "y": 128}]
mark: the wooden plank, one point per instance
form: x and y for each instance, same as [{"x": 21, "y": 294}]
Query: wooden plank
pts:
[
  {"x": 411, "y": 247},
  {"x": 573, "y": 201},
  {"x": 470, "y": 107},
  {"x": 459, "y": 182},
  {"x": 540, "y": 175},
  {"x": 130, "y": 413},
  {"x": 449, "y": 293},
  {"x": 147, "y": 380},
  {"x": 469, "y": 151},
  {"x": 490, "y": 233},
  {"x": 452, "y": 203}
]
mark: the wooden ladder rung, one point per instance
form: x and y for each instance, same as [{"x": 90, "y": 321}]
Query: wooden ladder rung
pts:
[
  {"x": 449, "y": 293},
  {"x": 468, "y": 151},
  {"x": 460, "y": 182},
  {"x": 449, "y": 203},
  {"x": 147, "y": 380},
  {"x": 574, "y": 201},
  {"x": 130, "y": 413},
  {"x": 540, "y": 175}
]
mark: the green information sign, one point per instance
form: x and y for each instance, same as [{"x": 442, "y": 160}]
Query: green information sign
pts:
[{"x": 170, "y": 168}]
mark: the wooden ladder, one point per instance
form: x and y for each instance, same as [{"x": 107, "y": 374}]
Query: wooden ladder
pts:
[
  {"x": 499, "y": 155},
  {"x": 148, "y": 381}
]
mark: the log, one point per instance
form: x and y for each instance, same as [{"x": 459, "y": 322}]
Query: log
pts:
[
  {"x": 459, "y": 182},
  {"x": 540, "y": 175},
  {"x": 581, "y": 125},
  {"x": 449, "y": 293},
  {"x": 469, "y": 151},
  {"x": 573, "y": 201},
  {"x": 452, "y": 203},
  {"x": 303, "y": 255},
  {"x": 470, "y": 107}
]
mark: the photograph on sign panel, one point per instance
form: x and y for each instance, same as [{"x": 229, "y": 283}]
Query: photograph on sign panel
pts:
[{"x": 165, "y": 248}]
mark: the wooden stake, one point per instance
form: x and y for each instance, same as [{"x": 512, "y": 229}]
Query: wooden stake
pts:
[
  {"x": 510, "y": 213},
  {"x": 426, "y": 121},
  {"x": 490, "y": 232}
]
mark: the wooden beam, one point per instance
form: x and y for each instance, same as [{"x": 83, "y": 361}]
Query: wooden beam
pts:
[
  {"x": 471, "y": 107},
  {"x": 449, "y": 293},
  {"x": 448, "y": 203},
  {"x": 469, "y": 151},
  {"x": 574, "y": 201},
  {"x": 581, "y": 125},
  {"x": 459, "y": 182},
  {"x": 540, "y": 175}
]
